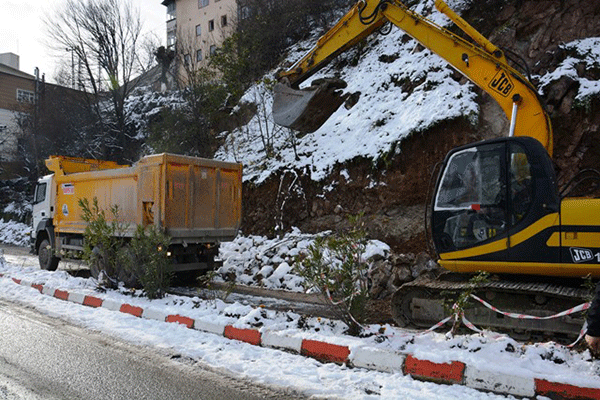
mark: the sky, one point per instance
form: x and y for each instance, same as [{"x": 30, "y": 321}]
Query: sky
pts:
[{"x": 22, "y": 31}]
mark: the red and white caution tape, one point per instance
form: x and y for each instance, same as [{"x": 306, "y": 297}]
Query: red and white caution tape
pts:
[
  {"x": 578, "y": 308},
  {"x": 335, "y": 303},
  {"x": 572, "y": 310},
  {"x": 470, "y": 325},
  {"x": 581, "y": 334},
  {"x": 456, "y": 315},
  {"x": 342, "y": 302},
  {"x": 442, "y": 322}
]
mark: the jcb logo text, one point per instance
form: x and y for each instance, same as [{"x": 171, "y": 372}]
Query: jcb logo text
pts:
[
  {"x": 582, "y": 255},
  {"x": 502, "y": 83}
]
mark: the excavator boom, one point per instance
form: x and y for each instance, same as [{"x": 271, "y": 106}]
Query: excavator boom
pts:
[{"x": 481, "y": 62}]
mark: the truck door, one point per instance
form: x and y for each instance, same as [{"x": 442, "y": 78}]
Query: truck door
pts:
[{"x": 41, "y": 203}]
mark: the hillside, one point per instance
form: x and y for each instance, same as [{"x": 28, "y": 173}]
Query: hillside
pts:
[{"x": 411, "y": 108}]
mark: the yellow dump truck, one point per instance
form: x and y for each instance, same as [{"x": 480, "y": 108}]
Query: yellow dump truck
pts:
[{"x": 197, "y": 202}]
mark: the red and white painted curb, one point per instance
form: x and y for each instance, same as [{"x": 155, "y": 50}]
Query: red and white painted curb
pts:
[{"x": 455, "y": 372}]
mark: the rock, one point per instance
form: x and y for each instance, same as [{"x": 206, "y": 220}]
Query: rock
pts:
[
  {"x": 423, "y": 263},
  {"x": 229, "y": 277},
  {"x": 401, "y": 276},
  {"x": 387, "y": 275},
  {"x": 379, "y": 275}
]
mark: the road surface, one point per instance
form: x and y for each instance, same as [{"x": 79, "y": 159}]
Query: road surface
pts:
[{"x": 46, "y": 358}]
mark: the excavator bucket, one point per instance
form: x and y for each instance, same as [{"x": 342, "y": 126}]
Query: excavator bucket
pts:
[{"x": 305, "y": 110}]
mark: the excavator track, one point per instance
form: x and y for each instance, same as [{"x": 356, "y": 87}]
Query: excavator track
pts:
[{"x": 426, "y": 301}]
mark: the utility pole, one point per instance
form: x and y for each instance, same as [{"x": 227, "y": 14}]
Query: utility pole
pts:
[
  {"x": 72, "y": 50},
  {"x": 36, "y": 113}
]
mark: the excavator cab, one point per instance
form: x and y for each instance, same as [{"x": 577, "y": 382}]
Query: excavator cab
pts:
[{"x": 488, "y": 192}]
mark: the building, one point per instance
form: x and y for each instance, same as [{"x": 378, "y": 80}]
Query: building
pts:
[
  {"x": 196, "y": 28},
  {"x": 31, "y": 111},
  {"x": 17, "y": 96}
]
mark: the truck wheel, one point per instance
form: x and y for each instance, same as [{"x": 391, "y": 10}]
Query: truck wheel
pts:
[
  {"x": 129, "y": 279},
  {"x": 46, "y": 256},
  {"x": 99, "y": 268},
  {"x": 126, "y": 275}
]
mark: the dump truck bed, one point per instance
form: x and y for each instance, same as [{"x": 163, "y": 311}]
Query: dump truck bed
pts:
[{"x": 195, "y": 200}]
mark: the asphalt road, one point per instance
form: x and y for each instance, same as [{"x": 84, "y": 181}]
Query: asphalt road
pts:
[{"x": 46, "y": 358}]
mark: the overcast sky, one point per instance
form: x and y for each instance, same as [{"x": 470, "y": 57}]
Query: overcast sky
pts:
[{"x": 22, "y": 31}]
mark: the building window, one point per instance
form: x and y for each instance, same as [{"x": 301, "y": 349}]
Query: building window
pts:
[
  {"x": 213, "y": 49},
  {"x": 25, "y": 96},
  {"x": 202, "y": 3},
  {"x": 198, "y": 55},
  {"x": 211, "y": 25},
  {"x": 224, "y": 20},
  {"x": 187, "y": 59},
  {"x": 244, "y": 12},
  {"x": 198, "y": 30},
  {"x": 171, "y": 40},
  {"x": 171, "y": 11}
]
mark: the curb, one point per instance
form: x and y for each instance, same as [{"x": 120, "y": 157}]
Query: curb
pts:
[{"x": 455, "y": 372}]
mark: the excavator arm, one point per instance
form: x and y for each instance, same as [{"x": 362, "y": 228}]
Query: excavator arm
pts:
[{"x": 481, "y": 62}]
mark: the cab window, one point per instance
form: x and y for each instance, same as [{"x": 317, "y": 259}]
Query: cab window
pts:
[
  {"x": 521, "y": 183},
  {"x": 40, "y": 193},
  {"x": 471, "y": 199}
]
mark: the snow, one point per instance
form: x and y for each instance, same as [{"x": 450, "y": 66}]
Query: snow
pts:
[
  {"x": 585, "y": 51},
  {"x": 384, "y": 115},
  {"x": 15, "y": 233},
  {"x": 489, "y": 352}
]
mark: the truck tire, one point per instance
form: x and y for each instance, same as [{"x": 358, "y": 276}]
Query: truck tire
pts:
[
  {"x": 99, "y": 268},
  {"x": 46, "y": 256},
  {"x": 128, "y": 276}
]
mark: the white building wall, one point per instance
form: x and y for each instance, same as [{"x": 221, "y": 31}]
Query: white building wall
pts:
[{"x": 202, "y": 27}]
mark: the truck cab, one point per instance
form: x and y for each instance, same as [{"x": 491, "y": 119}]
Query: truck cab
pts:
[{"x": 42, "y": 234}]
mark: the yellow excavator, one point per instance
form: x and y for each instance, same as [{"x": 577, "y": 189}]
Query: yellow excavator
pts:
[{"x": 496, "y": 206}]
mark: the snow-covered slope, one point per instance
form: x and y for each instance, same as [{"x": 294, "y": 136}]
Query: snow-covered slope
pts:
[
  {"x": 403, "y": 89},
  {"x": 385, "y": 113}
]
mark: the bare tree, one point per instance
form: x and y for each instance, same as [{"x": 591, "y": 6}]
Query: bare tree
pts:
[
  {"x": 263, "y": 30},
  {"x": 190, "y": 127},
  {"x": 104, "y": 37},
  {"x": 146, "y": 56}
]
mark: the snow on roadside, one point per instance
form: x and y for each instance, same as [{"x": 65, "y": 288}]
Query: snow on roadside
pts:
[
  {"x": 14, "y": 233},
  {"x": 268, "y": 263},
  {"x": 486, "y": 352}
]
